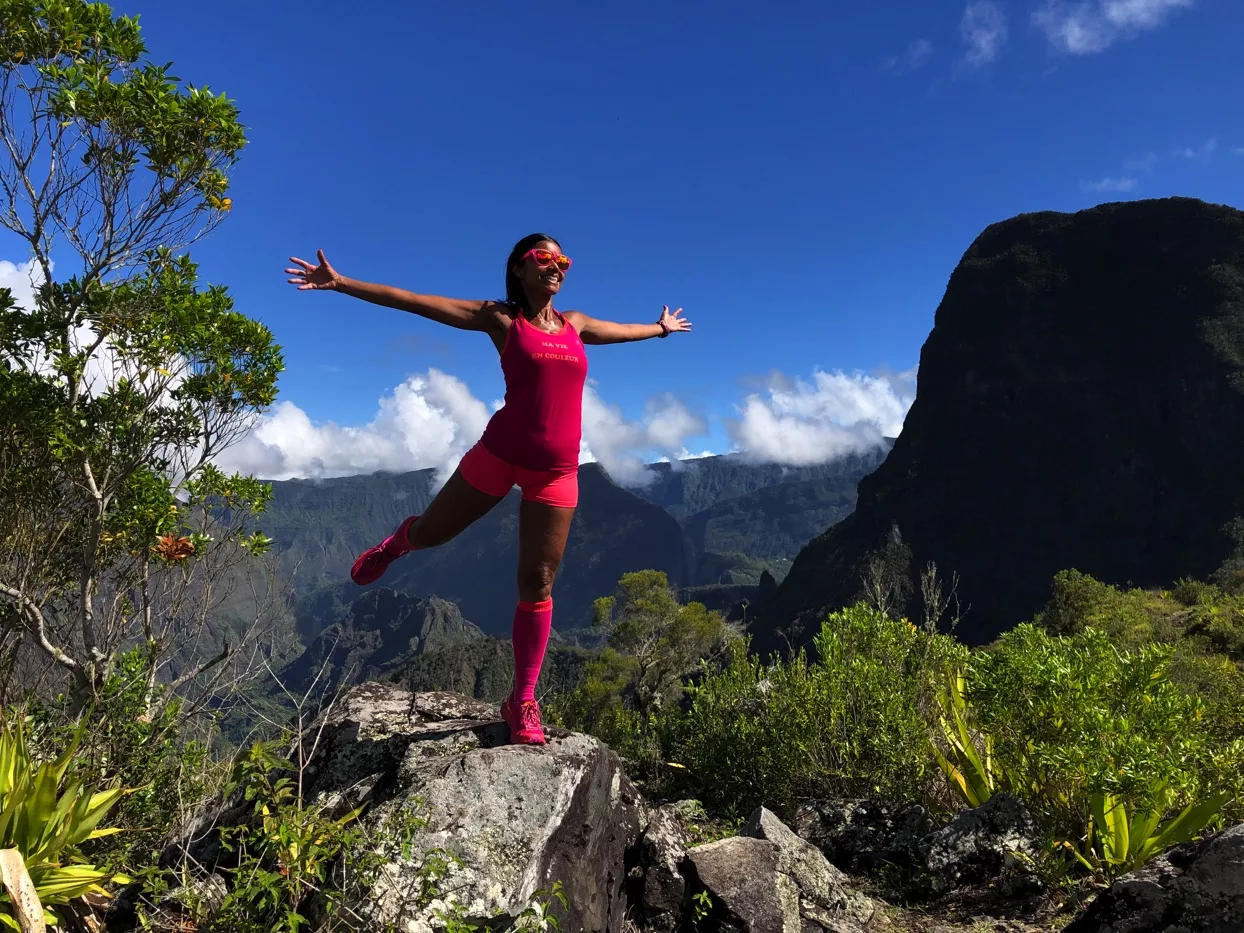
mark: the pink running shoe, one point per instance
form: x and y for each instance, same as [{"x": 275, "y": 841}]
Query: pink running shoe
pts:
[
  {"x": 373, "y": 562},
  {"x": 524, "y": 721}
]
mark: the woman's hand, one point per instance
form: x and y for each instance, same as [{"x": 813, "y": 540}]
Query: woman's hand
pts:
[
  {"x": 673, "y": 321},
  {"x": 308, "y": 276}
]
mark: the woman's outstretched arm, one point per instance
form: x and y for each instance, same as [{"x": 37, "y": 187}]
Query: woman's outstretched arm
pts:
[
  {"x": 592, "y": 330},
  {"x": 456, "y": 312}
]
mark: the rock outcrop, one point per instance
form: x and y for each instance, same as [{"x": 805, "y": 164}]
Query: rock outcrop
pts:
[
  {"x": 866, "y": 835},
  {"x": 768, "y": 880},
  {"x": 506, "y": 821},
  {"x": 658, "y": 886},
  {"x": 1080, "y": 405},
  {"x": 979, "y": 843},
  {"x": 1193, "y": 888}
]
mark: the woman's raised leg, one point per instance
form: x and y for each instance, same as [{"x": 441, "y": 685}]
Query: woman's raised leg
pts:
[{"x": 455, "y": 507}]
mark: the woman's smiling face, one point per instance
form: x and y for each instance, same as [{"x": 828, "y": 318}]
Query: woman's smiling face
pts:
[{"x": 540, "y": 277}]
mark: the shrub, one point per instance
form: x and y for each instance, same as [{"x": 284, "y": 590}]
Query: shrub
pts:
[
  {"x": 170, "y": 774},
  {"x": 286, "y": 852},
  {"x": 1195, "y": 617},
  {"x": 1072, "y": 717},
  {"x": 1202, "y": 624},
  {"x": 852, "y": 722},
  {"x": 1081, "y": 602},
  {"x": 631, "y": 691},
  {"x": 747, "y": 737}
]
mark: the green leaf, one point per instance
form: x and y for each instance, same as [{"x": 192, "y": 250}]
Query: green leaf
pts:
[{"x": 1194, "y": 818}]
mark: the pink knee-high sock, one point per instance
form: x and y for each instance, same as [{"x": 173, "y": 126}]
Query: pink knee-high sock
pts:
[{"x": 532, "y": 622}]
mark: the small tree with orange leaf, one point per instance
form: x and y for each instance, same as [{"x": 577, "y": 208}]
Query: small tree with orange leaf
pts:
[{"x": 121, "y": 382}]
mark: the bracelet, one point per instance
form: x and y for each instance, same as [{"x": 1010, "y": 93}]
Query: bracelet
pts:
[{"x": 665, "y": 329}]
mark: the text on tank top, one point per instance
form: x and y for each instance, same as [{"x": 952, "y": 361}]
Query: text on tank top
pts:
[{"x": 541, "y": 422}]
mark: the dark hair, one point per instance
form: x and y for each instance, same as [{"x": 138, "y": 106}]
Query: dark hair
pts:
[{"x": 514, "y": 293}]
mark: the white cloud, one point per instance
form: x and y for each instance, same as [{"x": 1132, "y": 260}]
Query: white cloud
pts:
[
  {"x": 1202, "y": 153},
  {"x": 430, "y": 420},
  {"x": 1238, "y": 150},
  {"x": 984, "y": 31},
  {"x": 1108, "y": 184},
  {"x": 1088, "y": 27},
  {"x": 622, "y": 447},
  {"x": 802, "y": 422},
  {"x": 22, "y": 280},
  {"x": 915, "y": 56}
]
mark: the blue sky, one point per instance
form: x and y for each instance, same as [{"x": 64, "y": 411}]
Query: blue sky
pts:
[{"x": 800, "y": 177}]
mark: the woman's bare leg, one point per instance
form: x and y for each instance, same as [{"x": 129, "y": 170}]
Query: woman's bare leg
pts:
[
  {"x": 455, "y": 508},
  {"x": 542, "y": 533}
]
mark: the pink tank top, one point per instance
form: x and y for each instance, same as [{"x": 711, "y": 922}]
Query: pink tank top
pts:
[{"x": 542, "y": 420}]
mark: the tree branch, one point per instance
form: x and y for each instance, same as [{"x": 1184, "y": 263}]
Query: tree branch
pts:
[
  {"x": 37, "y": 625},
  {"x": 172, "y": 687}
]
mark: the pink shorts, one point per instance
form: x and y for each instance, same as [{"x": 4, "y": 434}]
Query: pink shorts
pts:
[{"x": 490, "y": 474}]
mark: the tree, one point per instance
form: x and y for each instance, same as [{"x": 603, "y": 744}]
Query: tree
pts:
[
  {"x": 101, "y": 148},
  {"x": 124, "y": 380},
  {"x": 660, "y": 640},
  {"x": 1230, "y": 576}
]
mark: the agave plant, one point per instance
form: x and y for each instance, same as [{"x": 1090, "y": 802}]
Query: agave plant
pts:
[
  {"x": 974, "y": 773},
  {"x": 1115, "y": 843},
  {"x": 42, "y": 825}
]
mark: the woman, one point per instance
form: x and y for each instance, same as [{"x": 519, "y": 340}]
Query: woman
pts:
[{"x": 531, "y": 442}]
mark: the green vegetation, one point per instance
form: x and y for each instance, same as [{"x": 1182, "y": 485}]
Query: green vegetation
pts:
[
  {"x": 163, "y": 759},
  {"x": 852, "y": 722},
  {"x": 119, "y": 384},
  {"x": 45, "y": 819},
  {"x": 300, "y": 864},
  {"x": 1074, "y": 716},
  {"x": 1202, "y": 624},
  {"x": 653, "y": 644},
  {"x": 1114, "y": 717}
]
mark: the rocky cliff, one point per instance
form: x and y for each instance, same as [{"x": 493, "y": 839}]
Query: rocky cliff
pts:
[
  {"x": 381, "y": 630},
  {"x": 1080, "y": 405}
]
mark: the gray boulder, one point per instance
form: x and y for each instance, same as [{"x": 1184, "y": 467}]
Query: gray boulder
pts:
[
  {"x": 502, "y": 822},
  {"x": 980, "y": 843},
  {"x": 658, "y": 887},
  {"x": 1193, "y": 888},
  {"x": 866, "y": 835},
  {"x": 819, "y": 883},
  {"x": 746, "y": 892},
  {"x": 768, "y": 880}
]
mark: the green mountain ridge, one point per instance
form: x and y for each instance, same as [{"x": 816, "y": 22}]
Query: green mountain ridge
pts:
[
  {"x": 687, "y": 487},
  {"x": 738, "y": 519}
]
